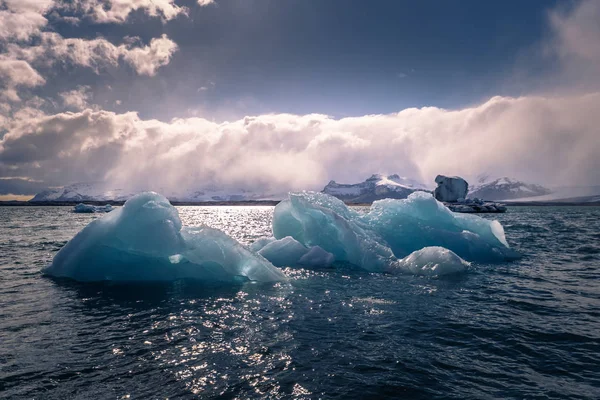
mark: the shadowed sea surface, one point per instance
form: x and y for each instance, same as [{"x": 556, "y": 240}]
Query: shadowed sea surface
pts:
[{"x": 528, "y": 329}]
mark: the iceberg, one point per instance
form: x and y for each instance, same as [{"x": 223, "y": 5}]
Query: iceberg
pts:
[
  {"x": 386, "y": 238},
  {"x": 144, "y": 241},
  {"x": 318, "y": 219},
  {"x": 450, "y": 188}
]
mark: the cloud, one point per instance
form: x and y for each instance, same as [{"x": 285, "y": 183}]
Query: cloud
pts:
[
  {"x": 147, "y": 60},
  {"x": 22, "y": 19},
  {"x": 96, "y": 53},
  {"x": 76, "y": 98},
  {"x": 118, "y": 11},
  {"x": 549, "y": 140},
  {"x": 15, "y": 73},
  {"x": 203, "y": 3},
  {"x": 20, "y": 26},
  {"x": 573, "y": 47},
  {"x": 26, "y": 44}
]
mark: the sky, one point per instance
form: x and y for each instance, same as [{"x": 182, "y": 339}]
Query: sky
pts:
[{"x": 276, "y": 95}]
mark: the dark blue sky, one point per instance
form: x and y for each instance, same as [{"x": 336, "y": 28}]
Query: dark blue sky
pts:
[{"x": 336, "y": 57}]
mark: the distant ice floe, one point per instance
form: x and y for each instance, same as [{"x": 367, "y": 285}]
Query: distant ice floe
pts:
[
  {"x": 145, "y": 241},
  {"x": 90, "y": 209}
]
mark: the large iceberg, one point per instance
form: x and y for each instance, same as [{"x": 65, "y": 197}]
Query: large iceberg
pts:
[
  {"x": 385, "y": 238},
  {"x": 450, "y": 188},
  {"x": 144, "y": 241}
]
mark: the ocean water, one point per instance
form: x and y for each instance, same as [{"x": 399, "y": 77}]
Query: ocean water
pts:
[{"x": 528, "y": 329}]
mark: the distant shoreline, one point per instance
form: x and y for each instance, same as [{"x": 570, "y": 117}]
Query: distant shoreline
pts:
[
  {"x": 120, "y": 203},
  {"x": 16, "y": 203}
]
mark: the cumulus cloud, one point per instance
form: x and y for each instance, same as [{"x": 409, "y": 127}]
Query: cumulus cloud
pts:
[
  {"x": 203, "y": 3},
  {"x": 76, "y": 98},
  {"x": 529, "y": 137},
  {"x": 96, "y": 53},
  {"x": 25, "y": 41},
  {"x": 21, "y": 19},
  {"x": 15, "y": 73},
  {"x": 118, "y": 11},
  {"x": 20, "y": 25},
  {"x": 147, "y": 60}
]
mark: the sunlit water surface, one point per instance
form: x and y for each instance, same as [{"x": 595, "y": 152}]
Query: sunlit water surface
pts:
[{"x": 527, "y": 329}]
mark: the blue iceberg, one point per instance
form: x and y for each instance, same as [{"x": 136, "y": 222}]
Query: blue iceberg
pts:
[
  {"x": 386, "y": 238},
  {"x": 145, "y": 241}
]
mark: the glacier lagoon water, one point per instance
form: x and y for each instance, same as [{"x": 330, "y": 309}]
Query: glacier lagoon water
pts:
[{"x": 524, "y": 329}]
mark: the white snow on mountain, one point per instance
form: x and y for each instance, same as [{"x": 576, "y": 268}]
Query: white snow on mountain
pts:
[
  {"x": 504, "y": 188},
  {"x": 376, "y": 187}
]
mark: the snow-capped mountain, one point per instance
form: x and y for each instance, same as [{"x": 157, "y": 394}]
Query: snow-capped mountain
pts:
[
  {"x": 505, "y": 189},
  {"x": 80, "y": 192},
  {"x": 375, "y": 188}
]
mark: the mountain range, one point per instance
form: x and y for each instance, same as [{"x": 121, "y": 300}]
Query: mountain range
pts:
[
  {"x": 504, "y": 189},
  {"x": 81, "y": 192},
  {"x": 376, "y": 187}
]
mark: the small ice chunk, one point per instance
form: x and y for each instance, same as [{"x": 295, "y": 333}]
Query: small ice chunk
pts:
[
  {"x": 284, "y": 252},
  {"x": 316, "y": 257},
  {"x": 260, "y": 243},
  {"x": 288, "y": 252},
  {"x": 432, "y": 261}
]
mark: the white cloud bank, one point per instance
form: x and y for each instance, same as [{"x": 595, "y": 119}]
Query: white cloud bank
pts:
[{"x": 552, "y": 140}]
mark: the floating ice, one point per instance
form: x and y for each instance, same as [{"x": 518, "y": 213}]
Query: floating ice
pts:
[
  {"x": 316, "y": 256},
  {"x": 90, "y": 209},
  {"x": 421, "y": 221},
  {"x": 286, "y": 251},
  {"x": 450, "y": 188},
  {"x": 289, "y": 252},
  {"x": 432, "y": 261},
  {"x": 317, "y": 219},
  {"x": 392, "y": 229},
  {"x": 144, "y": 241}
]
